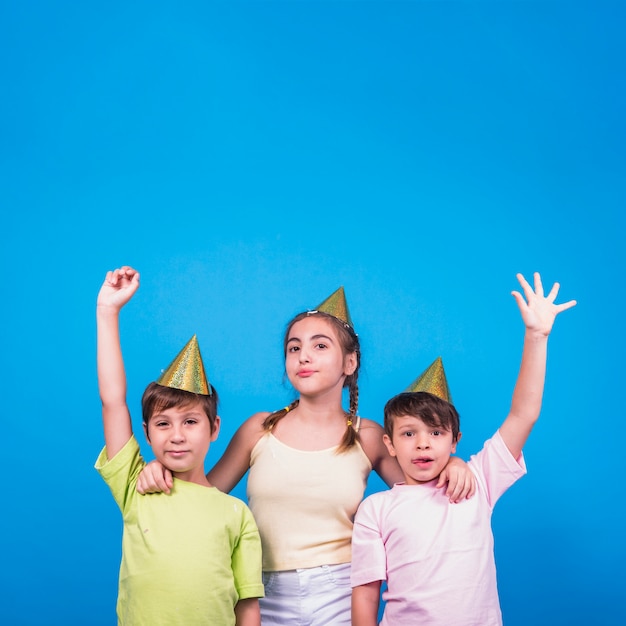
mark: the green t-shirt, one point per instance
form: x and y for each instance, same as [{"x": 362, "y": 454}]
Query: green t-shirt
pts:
[{"x": 187, "y": 557}]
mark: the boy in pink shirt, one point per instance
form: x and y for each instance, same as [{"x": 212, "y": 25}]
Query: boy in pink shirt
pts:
[{"x": 437, "y": 558}]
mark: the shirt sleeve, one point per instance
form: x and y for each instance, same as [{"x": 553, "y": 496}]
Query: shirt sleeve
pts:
[
  {"x": 246, "y": 559},
  {"x": 496, "y": 468},
  {"x": 121, "y": 472},
  {"x": 369, "y": 562}
]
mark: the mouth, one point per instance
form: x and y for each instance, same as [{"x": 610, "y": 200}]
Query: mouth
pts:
[
  {"x": 177, "y": 453},
  {"x": 422, "y": 461},
  {"x": 305, "y": 373}
]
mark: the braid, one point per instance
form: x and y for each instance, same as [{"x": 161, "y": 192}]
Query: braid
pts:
[
  {"x": 351, "y": 435},
  {"x": 354, "y": 396},
  {"x": 273, "y": 418}
]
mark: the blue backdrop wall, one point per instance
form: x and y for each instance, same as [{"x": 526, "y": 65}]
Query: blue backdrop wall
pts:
[{"x": 250, "y": 157}]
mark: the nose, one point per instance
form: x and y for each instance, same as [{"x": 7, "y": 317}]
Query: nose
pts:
[
  {"x": 422, "y": 442},
  {"x": 303, "y": 355},
  {"x": 176, "y": 434}
]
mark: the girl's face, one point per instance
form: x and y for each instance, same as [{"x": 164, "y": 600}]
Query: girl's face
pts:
[{"x": 315, "y": 360}]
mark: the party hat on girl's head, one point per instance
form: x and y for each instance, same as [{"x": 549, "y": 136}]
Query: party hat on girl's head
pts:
[
  {"x": 186, "y": 371},
  {"x": 337, "y": 306},
  {"x": 433, "y": 380}
]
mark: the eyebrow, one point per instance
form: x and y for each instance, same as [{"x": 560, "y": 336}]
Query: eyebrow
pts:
[
  {"x": 313, "y": 338},
  {"x": 191, "y": 412}
]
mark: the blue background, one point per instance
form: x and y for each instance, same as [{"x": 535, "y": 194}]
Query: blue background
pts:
[{"x": 250, "y": 157}]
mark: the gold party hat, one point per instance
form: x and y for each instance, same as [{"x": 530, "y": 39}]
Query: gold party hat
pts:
[
  {"x": 186, "y": 371},
  {"x": 337, "y": 306},
  {"x": 433, "y": 380}
]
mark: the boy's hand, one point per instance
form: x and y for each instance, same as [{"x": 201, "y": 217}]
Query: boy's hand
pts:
[
  {"x": 154, "y": 478},
  {"x": 539, "y": 312},
  {"x": 118, "y": 288}
]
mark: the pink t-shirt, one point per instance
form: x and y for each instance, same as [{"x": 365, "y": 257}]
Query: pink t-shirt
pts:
[{"x": 436, "y": 557}]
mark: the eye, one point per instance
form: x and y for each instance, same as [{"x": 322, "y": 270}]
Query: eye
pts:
[
  {"x": 161, "y": 424},
  {"x": 321, "y": 346},
  {"x": 408, "y": 433},
  {"x": 293, "y": 349},
  {"x": 191, "y": 421}
]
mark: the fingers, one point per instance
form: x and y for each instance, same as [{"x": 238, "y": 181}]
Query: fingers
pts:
[
  {"x": 551, "y": 297},
  {"x": 117, "y": 277},
  {"x": 464, "y": 488},
  {"x": 565, "y": 306},
  {"x": 554, "y": 292},
  {"x": 521, "y": 303},
  {"x": 538, "y": 284},
  {"x": 461, "y": 484},
  {"x": 454, "y": 493},
  {"x": 154, "y": 478},
  {"x": 442, "y": 479},
  {"x": 528, "y": 290},
  {"x": 472, "y": 489}
]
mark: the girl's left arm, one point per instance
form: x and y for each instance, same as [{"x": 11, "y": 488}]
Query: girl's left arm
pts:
[{"x": 371, "y": 440}]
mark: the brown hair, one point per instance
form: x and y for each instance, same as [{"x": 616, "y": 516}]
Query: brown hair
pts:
[
  {"x": 431, "y": 409},
  {"x": 349, "y": 342},
  {"x": 160, "y": 398}
]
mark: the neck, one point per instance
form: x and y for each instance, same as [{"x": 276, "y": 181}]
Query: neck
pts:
[
  {"x": 320, "y": 409},
  {"x": 193, "y": 476}
]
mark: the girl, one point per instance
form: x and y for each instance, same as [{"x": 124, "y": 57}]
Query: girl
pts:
[{"x": 309, "y": 465}]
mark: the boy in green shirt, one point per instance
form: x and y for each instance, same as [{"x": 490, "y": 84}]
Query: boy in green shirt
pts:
[{"x": 194, "y": 556}]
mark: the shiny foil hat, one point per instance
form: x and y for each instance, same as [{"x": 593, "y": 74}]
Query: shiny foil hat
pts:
[
  {"x": 337, "y": 306},
  {"x": 433, "y": 380},
  {"x": 186, "y": 371}
]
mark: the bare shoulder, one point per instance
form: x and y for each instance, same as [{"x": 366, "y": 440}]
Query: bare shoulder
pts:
[
  {"x": 371, "y": 438},
  {"x": 251, "y": 430},
  {"x": 235, "y": 461},
  {"x": 370, "y": 428}
]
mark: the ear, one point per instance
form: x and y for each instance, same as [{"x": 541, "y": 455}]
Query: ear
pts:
[
  {"x": 146, "y": 433},
  {"x": 454, "y": 443},
  {"x": 349, "y": 364},
  {"x": 216, "y": 428},
  {"x": 387, "y": 441}
]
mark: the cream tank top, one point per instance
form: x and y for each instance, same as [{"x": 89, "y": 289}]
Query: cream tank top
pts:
[{"x": 304, "y": 502}]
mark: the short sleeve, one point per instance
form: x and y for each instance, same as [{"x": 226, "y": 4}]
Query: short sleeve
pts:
[
  {"x": 121, "y": 472},
  {"x": 497, "y": 468},
  {"x": 369, "y": 562},
  {"x": 246, "y": 559}
]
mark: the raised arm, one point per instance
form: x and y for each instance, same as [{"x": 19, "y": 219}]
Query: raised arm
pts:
[
  {"x": 118, "y": 288},
  {"x": 538, "y": 314}
]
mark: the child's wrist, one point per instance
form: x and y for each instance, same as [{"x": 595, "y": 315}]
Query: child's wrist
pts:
[
  {"x": 107, "y": 309},
  {"x": 537, "y": 336}
]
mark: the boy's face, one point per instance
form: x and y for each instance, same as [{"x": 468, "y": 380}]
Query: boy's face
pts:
[
  {"x": 422, "y": 450},
  {"x": 180, "y": 438}
]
